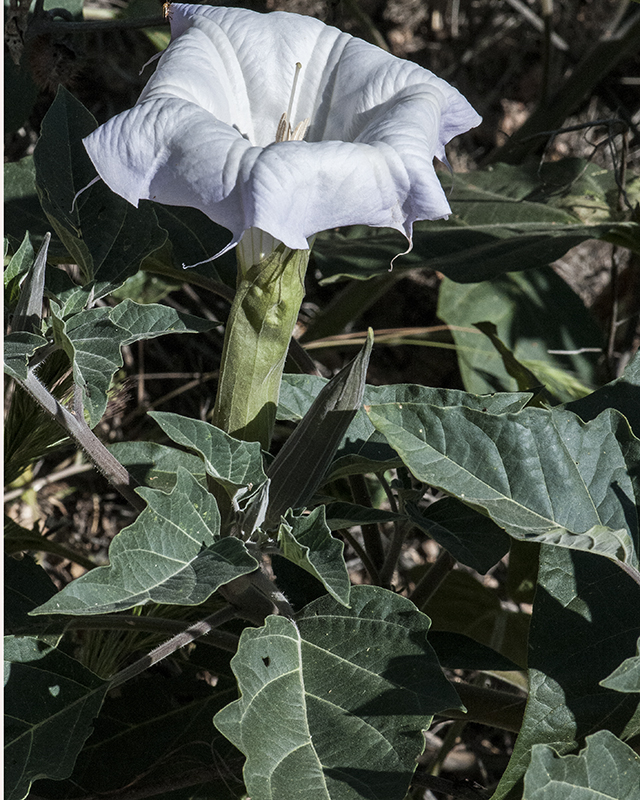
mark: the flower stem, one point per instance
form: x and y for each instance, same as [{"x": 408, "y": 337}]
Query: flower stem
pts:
[{"x": 263, "y": 316}]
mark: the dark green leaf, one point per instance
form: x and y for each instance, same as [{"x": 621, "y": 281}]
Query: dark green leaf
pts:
[
  {"x": 344, "y": 515},
  {"x": 607, "y": 769},
  {"x": 46, "y": 692},
  {"x": 457, "y": 651},
  {"x": 307, "y": 541},
  {"x": 462, "y": 605},
  {"x": 105, "y": 235},
  {"x": 305, "y": 731},
  {"x": 503, "y": 217},
  {"x": 172, "y": 554},
  {"x": 145, "y": 737},
  {"x": 586, "y": 620},
  {"x": 26, "y": 586}
]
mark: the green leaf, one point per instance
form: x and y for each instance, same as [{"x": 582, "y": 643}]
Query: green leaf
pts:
[
  {"x": 607, "y": 769},
  {"x": 18, "y": 349},
  {"x": 46, "y": 692},
  {"x": 470, "y": 537},
  {"x": 193, "y": 237},
  {"x": 305, "y": 731},
  {"x": 626, "y": 677},
  {"x": 623, "y": 394},
  {"x": 307, "y": 541},
  {"x": 534, "y": 313},
  {"x": 172, "y": 554},
  {"x": 92, "y": 339},
  {"x": 586, "y": 614},
  {"x": 541, "y": 475},
  {"x": 233, "y": 463},
  {"x": 156, "y": 465},
  {"x": 104, "y": 234},
  {"x": 502, "y": 217}
]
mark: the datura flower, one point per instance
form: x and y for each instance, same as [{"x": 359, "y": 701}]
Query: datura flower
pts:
[{"x": 280, "y": 123}]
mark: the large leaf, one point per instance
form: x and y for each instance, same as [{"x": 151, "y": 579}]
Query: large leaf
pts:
[
  {"x": 92, "y": 339},
  {"x": 50, "y": 703},
  {"x": 503, "y": 218},
  {"x": 105, "y": 235},
  {"x": 607, "y": 769},
  {"x": 363, "y": 448},
  {"x": 305, "y": 731},
  {"x": 586, "y": 614},
  {"x": 173, "y": 553},
  {"x": 541, "y": 475},
  {"x": 233, "y": 463},
  {"x": 534, "y": 312},
  {"x": 307, "y": 541}
]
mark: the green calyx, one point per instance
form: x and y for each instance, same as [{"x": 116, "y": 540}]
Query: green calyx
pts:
[{"x": 259, "y": 329}]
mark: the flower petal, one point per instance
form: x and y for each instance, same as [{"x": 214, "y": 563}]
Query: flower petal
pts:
[{"x": 202, "y": 133}]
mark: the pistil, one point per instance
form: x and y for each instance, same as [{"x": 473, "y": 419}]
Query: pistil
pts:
[{"x": 285, "y": 133}]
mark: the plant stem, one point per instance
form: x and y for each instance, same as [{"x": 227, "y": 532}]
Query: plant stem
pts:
[
  {"x": 398, "y": 536},
  {"x": 370, "y": 533},
  {"x": 167, "y": 648},
  {"x": 492, "y": 707},
  {"x": 78, "y": 429},
  {"x": 362, "y": 553},
  {"x": 428, "y": 585}
]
